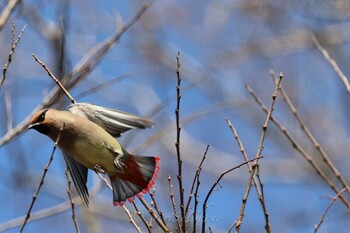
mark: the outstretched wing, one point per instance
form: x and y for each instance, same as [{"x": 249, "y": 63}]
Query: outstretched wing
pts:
[
  {"x": 113, "y": 121},
  {"x": 79, "y": 174}
]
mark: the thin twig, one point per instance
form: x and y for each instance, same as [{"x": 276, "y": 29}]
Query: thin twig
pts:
[
  {"x": 198, "y": 171},
  {"x": 71, "y": 202},
  {"x": 262, "y": 201},
  {"x": 260, "y": 148},
  {"x": 151, "y": 212},
  {"x": 138, "y": 212},
  {"x": 12, "y": 51},
  {"x": 196, "y": 190},
  {"x": 160, "y": 213},
  {"x": 171, "y": 193},
  {"x": 97, "y": 170},
  {"x": 317, "y": 145},
  {"x": 255, "y": 181},
  {"x": 41, "y": 180},
  {"x": 301, "y": 151},
  {"x": 232, "y": 226},
  {"x": 132, "y": 221},
  {"x": 177, "y": 145},
  {"x": 333, "y": 63},
  {"x": 54, "y": 79},
  {"x": 215, "y": 184},
  {"x": 317, "y": 226}
]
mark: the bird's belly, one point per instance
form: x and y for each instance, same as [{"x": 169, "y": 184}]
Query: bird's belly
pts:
[{"x": 91, "y": 154}]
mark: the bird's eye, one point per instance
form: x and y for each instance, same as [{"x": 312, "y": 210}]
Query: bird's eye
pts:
[{"x": 42, "y": 116}]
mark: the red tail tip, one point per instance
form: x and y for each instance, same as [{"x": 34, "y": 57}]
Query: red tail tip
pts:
[
  {"x": 151, "y": 182},
  {"x": 149, "y": 186},
  {"x": 121, "y": 203}
]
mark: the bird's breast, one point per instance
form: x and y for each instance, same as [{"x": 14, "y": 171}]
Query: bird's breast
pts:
[{"x": 90, "y": 149}]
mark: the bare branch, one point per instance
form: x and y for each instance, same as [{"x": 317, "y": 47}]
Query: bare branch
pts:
[
  {"x": 177, "y": 145},
  {"x": 71, "y": 202},
  {"x": 317, "y": 145},
  {"x": 54, "y": 79},
  {"x": 199, "y": 169},
  {"x": 151, "y": 212},
  {"x": 255, "y": 165},
  {"x": 216, "y": 183},
  {"x": 97, "y": 170},
  {"x": 301, "y": 151},
  {"x": 160, "y": 213},
  {"x": 333, "y": 63},
  {"x": 12, "y": 51},
  {"x": 317, "y": 226},
  {"x": 171, "y": 193},
  {"x": 132, "y": 221},
  {"x": 41, "y": 180},
  {"x": 138, "y": 212},
  {"x": 255, "y": 180},
  {"x": 196, "y": 191}
]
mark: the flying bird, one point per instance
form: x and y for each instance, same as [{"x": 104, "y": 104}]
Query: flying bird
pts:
[{"x": 87, "y": 142}]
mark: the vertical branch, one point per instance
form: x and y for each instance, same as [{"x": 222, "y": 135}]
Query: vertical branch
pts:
[
  {"x": 71, "y": 202},
  {"x": 54, "y": 79},
  {"x": 41, "y": 181},
  {"x": 177, "y": 144},
  {"x": 257, "y": 180},
  {"x": 151, "y": 212},
  {"x": 160, "y": 213},
  {"x": 258, "y": 153},
  {"x": 138, "y": 212},
  {"x": 12, "y": 51},
  {"x": 132, "y": 221},
  {"x": 171, "y": 193},
  {"x": 195, "y": 178},
  {"x": 215, "y": 184},
  {"x": 196, "y": 190},
  {"x": 317, "y": 226}
]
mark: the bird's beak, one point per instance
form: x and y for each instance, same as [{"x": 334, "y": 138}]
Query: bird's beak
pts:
[{"x": 31, "y": 126}]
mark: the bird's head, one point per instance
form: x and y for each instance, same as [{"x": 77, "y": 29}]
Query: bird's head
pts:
[{"x": 40, "y": 122}]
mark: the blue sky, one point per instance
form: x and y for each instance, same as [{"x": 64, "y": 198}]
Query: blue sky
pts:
[{"x": 223, "y": 46}]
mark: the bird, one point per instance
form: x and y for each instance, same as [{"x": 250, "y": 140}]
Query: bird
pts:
[{"x": 87, "y": 140}]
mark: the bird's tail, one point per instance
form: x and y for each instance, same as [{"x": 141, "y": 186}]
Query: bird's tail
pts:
[{"x": 136, "y": 179}]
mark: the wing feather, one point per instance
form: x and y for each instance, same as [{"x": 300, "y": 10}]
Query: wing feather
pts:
[
  {"x": 79, "y": 175},
  {"x": 115, "y": 122}
]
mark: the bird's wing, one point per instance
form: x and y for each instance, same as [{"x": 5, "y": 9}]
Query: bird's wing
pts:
[
  {"x": 79, "y": 174},
  {"x": 113, "y": 121}
]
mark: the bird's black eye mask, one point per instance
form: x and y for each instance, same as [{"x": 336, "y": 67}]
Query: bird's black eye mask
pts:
[
  {"x": 44, "y": 129},
  {"x": 41, "y": 118}
]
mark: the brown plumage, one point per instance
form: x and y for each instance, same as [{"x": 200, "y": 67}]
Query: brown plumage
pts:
[{"x": 86, "y": 144}]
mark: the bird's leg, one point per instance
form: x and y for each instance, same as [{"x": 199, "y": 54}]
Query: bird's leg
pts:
[
  {"x": 119, "y": 165},
  {"x": 97, "y": 169}
]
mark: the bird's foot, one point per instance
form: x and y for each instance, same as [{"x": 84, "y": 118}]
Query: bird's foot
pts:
[
  {"x": 97, "y": 169},
  {"x": 119, "y": 165}
]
